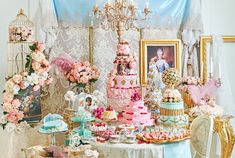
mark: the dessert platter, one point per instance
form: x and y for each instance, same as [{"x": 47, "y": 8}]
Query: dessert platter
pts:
[{"x": 164, "y": 135}]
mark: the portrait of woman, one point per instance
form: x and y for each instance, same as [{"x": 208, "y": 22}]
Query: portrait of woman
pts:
[{"x": 163, "y": 54}]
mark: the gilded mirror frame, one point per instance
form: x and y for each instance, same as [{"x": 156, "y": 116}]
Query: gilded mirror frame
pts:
[{"x": 203, "y": 54}]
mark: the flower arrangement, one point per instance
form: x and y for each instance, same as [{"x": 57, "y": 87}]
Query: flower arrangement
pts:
[
  {"x": 82, "y": 73},
  {"x": 36, "y": 77},
  {"x": 186, "y": 82},
  {"x": 135, "y": 97},
  {"x": 20, "y": 34},
  {"x": 77, "y": 72},
  {"x": 98, "y": 112}
]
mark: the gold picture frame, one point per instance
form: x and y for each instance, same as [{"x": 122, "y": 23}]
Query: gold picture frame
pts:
[
  {"x": 203, "y": 54},
  {"x": 170, "y": 44}
]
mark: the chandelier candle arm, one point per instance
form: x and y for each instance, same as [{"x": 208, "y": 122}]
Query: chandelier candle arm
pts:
[{"x": 119, "y": 16}]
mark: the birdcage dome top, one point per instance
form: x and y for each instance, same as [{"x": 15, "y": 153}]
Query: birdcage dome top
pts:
[
  {"x": 21, "y": 20},
  {"x": 21, "y": 29}
]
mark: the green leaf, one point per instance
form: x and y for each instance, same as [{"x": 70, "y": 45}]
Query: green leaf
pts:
[
  {"x": 33, "y": 47},
  {"x": 20, "y": 92},
  {"x": 92, "y": 80}
]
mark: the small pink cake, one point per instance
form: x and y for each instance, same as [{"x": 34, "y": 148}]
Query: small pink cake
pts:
[{"x": 136, "y": 113}]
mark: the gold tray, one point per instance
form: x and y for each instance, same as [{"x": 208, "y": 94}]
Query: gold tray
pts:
[{"x": 163, "y": 141}]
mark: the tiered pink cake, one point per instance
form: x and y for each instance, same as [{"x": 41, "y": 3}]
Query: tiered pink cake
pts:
[
  {"x": 136, "y": 113},
  {"x": 123, "y": 79}
]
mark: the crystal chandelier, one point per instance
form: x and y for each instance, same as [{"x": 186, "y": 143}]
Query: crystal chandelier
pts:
[{"x": 119, "y": 16}]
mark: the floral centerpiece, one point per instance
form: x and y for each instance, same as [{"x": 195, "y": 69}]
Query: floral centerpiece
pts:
[
  {"x": 79, "y": 73},
  {"x": 16, "y": 101}
]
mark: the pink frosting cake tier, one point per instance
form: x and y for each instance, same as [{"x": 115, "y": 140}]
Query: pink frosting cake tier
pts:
[
  {"x": 136, "y": 113},
  {"x": 126, "y": 81},
  {"x": 121, "y": 93},
  {"x": 119, "y": 98},
  {"x": 118, "y": 104}
]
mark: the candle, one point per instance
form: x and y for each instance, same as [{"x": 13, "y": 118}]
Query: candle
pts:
[
  {"x": 147, "y": 4},
  {"x": 219, "y": 71},
  {"x": 131, "y": 2},
  {"x": 210, "y": 64}
]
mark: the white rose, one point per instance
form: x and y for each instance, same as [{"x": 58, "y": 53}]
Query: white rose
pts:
[
  {"x": 3, "y": 120},
  {"x": 88, "y": 153},
  {"x": 38, "y": 56},
  {"x": 10, "y": 127},
  {"x": 70, "y": 96},
  {"x": 9, "y": 86},
  {"x": 26, "y": 83},
  {"x": 44, "y": 75},
  {"x": 16, "y": 89},
  {"x": 35, "y": 78}
]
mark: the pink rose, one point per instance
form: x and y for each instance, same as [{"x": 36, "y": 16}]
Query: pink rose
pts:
[
  {"x": 71, "y": 79},
  {"x": 7, "y": 107},
  {"x": 36, "y": 88},
  {"x": 84, "y": 79},
  {"x": 211, "y": 102},
  {"x": 15, "y": 116},
  {"x": 7, "y": 97},
  {"x": 132, "y": 64},
  {"x": 98, "y": 112},
  {"x": 36, "y": 65},
  {"x": 17, "y": 78},
  {"x": 49, "y": 81},
  {"x": 87, "y": 64},
  {"x": 16, "y": 103},
  {"x": 40, "y": 46}
]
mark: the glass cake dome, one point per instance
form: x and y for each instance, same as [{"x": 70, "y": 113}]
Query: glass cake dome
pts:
[{"x": 21, "y": 29}]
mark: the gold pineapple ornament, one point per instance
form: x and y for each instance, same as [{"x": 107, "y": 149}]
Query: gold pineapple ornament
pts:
[{"x": 171, "y": 77}]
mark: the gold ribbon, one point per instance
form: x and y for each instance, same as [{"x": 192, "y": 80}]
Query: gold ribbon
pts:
[{"x": 170, "y": 112}]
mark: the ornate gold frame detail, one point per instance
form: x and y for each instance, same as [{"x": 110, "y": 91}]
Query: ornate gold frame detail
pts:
[
  {"x": 143, "y": 55},
  {"x": 203, "y": 54},
  {"x": 226, "y": 134}
]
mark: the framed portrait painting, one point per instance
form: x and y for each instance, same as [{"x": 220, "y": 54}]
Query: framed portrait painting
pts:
[{"x": 166, "y": 54}]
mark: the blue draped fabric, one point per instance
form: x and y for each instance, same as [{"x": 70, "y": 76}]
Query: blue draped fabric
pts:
[
  {"x": 177, "y": 150},
  {"x": 167, "y": 13}
]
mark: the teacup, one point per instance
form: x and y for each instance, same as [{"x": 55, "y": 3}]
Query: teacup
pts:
[
  {"x": 130, "y": 138},
  {"x": 114, "y": 138}
]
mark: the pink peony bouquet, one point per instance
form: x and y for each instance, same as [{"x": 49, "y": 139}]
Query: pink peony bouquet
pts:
[
  {"x": 80, "y": 73},
  {"x": 15, "y": 87}
]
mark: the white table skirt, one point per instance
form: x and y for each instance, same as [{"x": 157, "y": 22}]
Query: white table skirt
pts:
[
  {"x": 107, "y": 150},
  {"x": 12, "y": 143}
]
